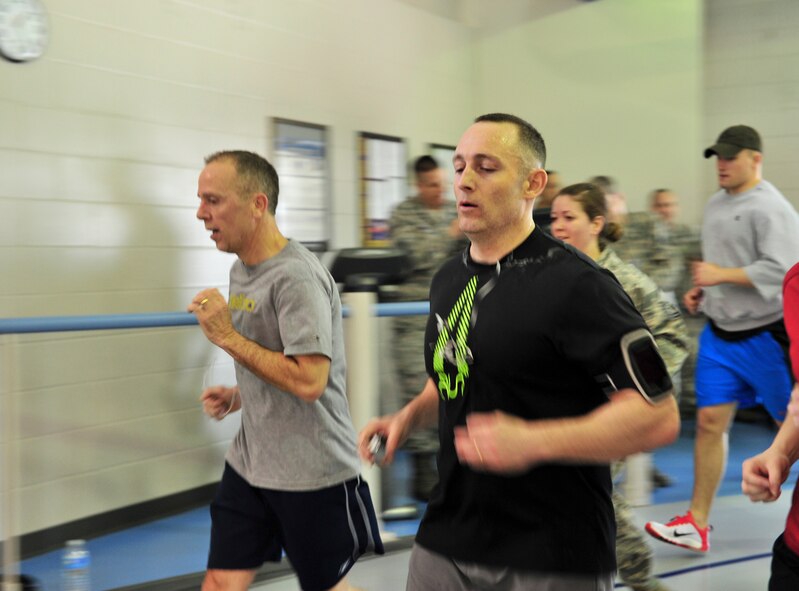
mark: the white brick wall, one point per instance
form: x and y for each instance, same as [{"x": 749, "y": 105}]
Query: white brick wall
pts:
[
  {"x": 102, "y": 139},
  {"x": 751, "y": 62},
  {"x": 101, "y": 142}
]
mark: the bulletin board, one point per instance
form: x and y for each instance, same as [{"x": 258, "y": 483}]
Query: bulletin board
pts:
[
  {"x": 383, "y": 184},
  {"x": 443, "y": 155},
  {"x": 300, "y": 158}
]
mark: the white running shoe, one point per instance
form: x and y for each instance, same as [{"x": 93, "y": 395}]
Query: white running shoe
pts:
[{"x": 681, "y": 531}]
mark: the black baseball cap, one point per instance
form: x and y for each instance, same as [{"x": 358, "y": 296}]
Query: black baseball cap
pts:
[{"x": 734, "y": 139}]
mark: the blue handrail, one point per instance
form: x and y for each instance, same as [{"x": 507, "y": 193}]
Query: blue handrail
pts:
[{"x": 119, "y": 321}]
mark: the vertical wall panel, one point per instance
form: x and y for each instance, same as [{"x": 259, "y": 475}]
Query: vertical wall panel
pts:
[
  {"x": 613, "y": 86},
  {"x": 750, "y": 61},
  {"x": 101, "y": 142}
]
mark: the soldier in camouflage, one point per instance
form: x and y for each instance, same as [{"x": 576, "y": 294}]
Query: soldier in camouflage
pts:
[
  {"x": 425, "y": 226},
  {"x": 579, "y": 217},
  {"x": 655, "y": 242}
]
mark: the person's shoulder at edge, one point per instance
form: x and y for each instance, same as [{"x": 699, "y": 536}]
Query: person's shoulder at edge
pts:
[
  {"x": 611, "y": 260},
  {"x": 298, "y": 262},
  {"x": 792, "y": 275},
  {"x": 556, "y": 249},
  {"x": 571, "y": 264}
]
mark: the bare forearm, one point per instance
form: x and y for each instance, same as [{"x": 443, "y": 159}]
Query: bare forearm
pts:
[
  {"x": 625, "y": 426},
  {"x": 422, "y": 411},
  {"x": 736, "y": 276},
  {"x": 419, "y": 413},
  {"x": 787, "y": 440},
  {"x": 708, "y": 274},
  {"x": 305, "y": 380}
]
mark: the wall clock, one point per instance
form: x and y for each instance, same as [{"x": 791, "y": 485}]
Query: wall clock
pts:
[{"x": 24, "y": 29}]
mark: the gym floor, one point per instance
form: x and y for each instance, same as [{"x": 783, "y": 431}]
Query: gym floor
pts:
[{"x": 169, "y": 554}]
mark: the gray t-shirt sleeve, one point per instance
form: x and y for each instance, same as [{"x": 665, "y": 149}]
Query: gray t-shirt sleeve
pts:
[
  {"x": 304, "y": 317},
  {"x": 777, "y": 244}
]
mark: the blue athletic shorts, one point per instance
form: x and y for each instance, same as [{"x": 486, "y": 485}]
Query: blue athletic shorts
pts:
[
  {"x": 323, "y": 532},
  {"x": 750, "y": 371}
]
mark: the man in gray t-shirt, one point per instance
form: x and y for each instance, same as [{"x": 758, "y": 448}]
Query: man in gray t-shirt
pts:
[
  {"x": 291, "y": 481},
  {"x": 750, "y": 238}
]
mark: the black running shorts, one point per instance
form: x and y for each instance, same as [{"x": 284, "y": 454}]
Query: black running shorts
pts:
[{"x": 323, "y": 532}]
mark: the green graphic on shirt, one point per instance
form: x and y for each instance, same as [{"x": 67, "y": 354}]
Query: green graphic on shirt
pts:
[{"x": 451, "y": 344}]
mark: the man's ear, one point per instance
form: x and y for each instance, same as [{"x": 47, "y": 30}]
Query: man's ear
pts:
[
  {"x": 260, "y": 203},
  {"x": 536, "y": 181}
]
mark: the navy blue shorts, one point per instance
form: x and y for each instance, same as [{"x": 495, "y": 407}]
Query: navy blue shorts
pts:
[{"x": 323, "y": 532}]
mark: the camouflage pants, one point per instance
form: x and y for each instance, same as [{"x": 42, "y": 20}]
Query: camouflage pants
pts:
[
  {"x": 409, "y": 361},
  {"x": 633, "y": 554}
]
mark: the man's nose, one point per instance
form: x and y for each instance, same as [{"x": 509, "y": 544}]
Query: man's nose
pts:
[{"x": 466, "y": 180}]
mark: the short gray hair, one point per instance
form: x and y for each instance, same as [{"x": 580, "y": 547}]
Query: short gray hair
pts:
[{"x": 255, "y": 174}]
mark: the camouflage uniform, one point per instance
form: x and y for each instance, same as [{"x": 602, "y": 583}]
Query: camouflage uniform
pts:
[
  {"x": 422, "y": 233},
  {"x": 633, "y": 554},
  {"x": 663, "y": 252}
]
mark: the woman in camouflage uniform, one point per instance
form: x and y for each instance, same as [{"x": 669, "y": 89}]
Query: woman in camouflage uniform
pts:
[{"x": 579, "y": 218}]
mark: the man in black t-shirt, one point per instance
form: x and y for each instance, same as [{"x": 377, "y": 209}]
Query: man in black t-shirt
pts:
[{"x": 541, "y": 373}]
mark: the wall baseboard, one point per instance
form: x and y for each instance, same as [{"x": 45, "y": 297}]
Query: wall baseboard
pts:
[
  {"x": 268, "y": 572},
  {"x": 53, "y": 538}
]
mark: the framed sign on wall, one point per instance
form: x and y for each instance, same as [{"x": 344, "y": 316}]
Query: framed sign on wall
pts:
[
  {"x": 383, "y": 184},
  {"x": 300, "y": 158},
  {"x": 443, "y": 155}
]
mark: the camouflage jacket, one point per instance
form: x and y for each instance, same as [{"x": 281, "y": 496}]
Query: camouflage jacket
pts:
[
  {"x": 662, "y": 317},
  {"x": 422, "y": 233},
  {"x": 662, "y": 251}
]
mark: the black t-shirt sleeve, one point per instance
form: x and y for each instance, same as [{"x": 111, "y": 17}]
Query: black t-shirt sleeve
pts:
[{"x": 596, "y": 314}]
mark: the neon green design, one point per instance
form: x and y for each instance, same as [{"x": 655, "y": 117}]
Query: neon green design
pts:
[{"x": 454, "y": 348}]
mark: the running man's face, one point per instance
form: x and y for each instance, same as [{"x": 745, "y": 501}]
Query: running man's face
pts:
[
  {"x": 571, "y": 223},
  {"x": 225, "y": 214},
  {"x": 491, "y": 186},
  {"x": 739, "y": 173}
]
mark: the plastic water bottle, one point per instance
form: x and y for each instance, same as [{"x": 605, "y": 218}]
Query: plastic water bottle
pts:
[
  {"x": 638, "y": 484},
  {"x": 75, "y": 567}
]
